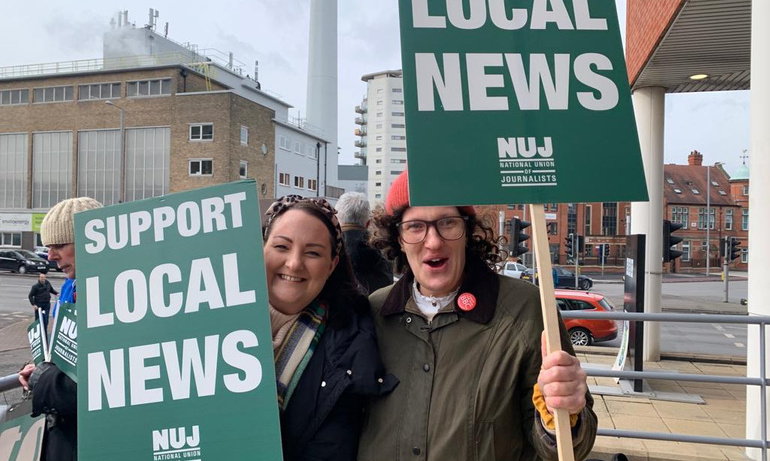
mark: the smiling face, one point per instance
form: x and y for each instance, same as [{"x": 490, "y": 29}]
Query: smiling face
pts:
[
  {"x": 298, "y": 260},
  {"x": 437, "y": 264}
]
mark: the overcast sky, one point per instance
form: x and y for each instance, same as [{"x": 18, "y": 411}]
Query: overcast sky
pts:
[{"x": 275, "y": 32}]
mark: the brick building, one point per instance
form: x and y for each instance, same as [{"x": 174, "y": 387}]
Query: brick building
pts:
[{"x": 187, "y": 122}]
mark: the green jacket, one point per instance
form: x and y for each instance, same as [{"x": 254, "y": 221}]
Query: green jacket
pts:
[{"x": 466, "y": 379}]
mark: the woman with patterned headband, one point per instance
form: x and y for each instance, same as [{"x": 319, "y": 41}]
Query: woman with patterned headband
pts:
[{"x": 326, "y": 356}]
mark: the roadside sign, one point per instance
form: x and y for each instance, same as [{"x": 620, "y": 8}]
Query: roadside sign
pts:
[
  {"x": 517, "y": 102},
  {"x": 174, "y": 342}
]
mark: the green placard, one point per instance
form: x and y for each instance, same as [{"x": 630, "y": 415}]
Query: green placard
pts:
[
  {"x": 64, "y": 341},
  {"x": 174, "y": 341},
  {"x": 21, "y": 439},
  {"x": 35, "y": 336},
  {"x": 517, "y": 102}
]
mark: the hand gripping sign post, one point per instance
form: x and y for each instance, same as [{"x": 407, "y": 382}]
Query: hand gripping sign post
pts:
[
  {"x": 175, "y": 356},
  {"x": 520, "y": 101}
]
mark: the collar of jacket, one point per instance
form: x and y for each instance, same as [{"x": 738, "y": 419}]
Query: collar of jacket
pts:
[{"x": 478, "y": 280}]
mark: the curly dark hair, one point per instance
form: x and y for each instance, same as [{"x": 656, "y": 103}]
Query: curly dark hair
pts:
[
  {"x": 482, "y": 242},
  {"x": 341, "y": 290}
]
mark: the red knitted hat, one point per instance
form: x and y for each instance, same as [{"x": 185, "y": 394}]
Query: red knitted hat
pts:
[{"x": 398, "y": 197}]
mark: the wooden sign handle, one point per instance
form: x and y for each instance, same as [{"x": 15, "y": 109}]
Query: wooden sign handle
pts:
[{"x": 550, "y": 319}]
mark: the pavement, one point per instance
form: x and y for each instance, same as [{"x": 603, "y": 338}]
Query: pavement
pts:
[{"x": 722, "y": 412}]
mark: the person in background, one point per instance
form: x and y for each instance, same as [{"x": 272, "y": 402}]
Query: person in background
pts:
[
  {"x": 326, "y": 358},
  {"x": 40, "y": 298},
  {"x": 372, "y": 270},
  {"x": 53, "y": 392},
  {"x": 466, "y": 344}
]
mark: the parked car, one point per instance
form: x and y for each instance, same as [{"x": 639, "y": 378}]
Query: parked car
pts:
[
  {"x": 43, "y": 253},
  {"x": 22, "y": 261},
  {"x": 585, "y": 332},
  {"x": 565, "y": 279},
  {"x": 514, "y": 269}
]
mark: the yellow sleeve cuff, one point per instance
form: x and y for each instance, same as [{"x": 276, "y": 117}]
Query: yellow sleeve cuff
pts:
[{"x": 548, "y": 420}]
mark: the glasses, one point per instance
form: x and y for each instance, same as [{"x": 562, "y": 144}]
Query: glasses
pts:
[{"x": 451, "y": 228}]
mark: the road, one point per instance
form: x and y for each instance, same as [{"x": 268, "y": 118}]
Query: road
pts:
[{"x": 702, "y": 297}]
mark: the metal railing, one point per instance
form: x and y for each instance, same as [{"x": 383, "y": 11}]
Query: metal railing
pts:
[{"x": 762, "y": 381}]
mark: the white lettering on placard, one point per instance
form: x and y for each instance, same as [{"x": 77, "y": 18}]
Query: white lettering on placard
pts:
[
  {"x": 107, "y": 383},
  {"x": 447, "y": 81},
  {"x": 543, "y": 14},
  {"x": 135, "y": 295},
  {"x": 191, "y": 218}
]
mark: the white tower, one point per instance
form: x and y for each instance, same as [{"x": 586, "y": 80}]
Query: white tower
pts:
[{"x": 322, "y": 83}]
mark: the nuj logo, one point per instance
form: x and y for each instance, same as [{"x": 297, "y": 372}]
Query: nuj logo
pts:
[
  {"x": 176, "y": 443},
  {"x": 34, "y": 334},
  {"x": 524, "y": 147}
]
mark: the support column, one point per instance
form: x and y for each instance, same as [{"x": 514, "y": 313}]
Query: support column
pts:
[
  {"x": 759, "y": 214},
  {"x": 647, "y": 217}
]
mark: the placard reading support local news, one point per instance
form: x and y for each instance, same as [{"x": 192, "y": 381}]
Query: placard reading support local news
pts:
[
  {"x": 174, "y": 344},
  {"x": 21, "y": 439},
  {"x": 522, "y": 101}
]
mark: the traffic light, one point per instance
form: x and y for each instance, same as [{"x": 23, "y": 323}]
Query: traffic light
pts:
[
  {"x": 735, "y": 251},
  {"x": 669, "y": 254},
  {"x": 606, "y": 251},
  {"x": 516, "y": 245},
  {"x": 581, "y": 244},
  {"x": 570, "y": 245},
  {"x": 723, "y": 242}
]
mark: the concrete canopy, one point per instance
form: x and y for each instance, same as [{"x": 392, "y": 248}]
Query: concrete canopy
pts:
[{"x": 667, "y": 41}]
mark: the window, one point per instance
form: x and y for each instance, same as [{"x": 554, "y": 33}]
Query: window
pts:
[
  {"x": 201, "y": 167},
  {"x": 379, "y": 125},
  {"x": 51, "y": 168},
  {"x": 744, "y": 219},
  {"x": 678, "y": 191},
  {"x": 686, "y": 250},
  {"x": 398, "y": 160},
  {"x": 702, "y": 218},
  {"x": 398, "y": 102},
  {"x": 745, "y": 190},
  {"x": 377, "y": 195},
  {"x": 297, "y": 147},
  {"x": 379, "y": 114},
  {"x": 201, "y": 132},
  {"x": 609, "y": 218},
  {"x": 571, "y": 218},
  {"x": 397, "y": 125},
  {"x": 680, "y": 215},
  {"x": 397, "y": 114},
  {"x": 244, "y": 135},
  {"x": 396, "y": 137},
  {"x": 728, "y": 219},
  {"x": 378, "y": 149},
  {"x": 396, "y": 172},
  {"x": 379, "y": 90},
  {"x": 378, "y": 173},
  {"x": 54, "y": 94},
  {"x": 695, "y": 191},
  {"x": 284, "y": 142},
  {"x": 378, "y": 138},
  {"x": 243, "y": 169},
  {"x": 13, "y": 170},
  {"x": 99, "y": 167},
  {"x": 312, "y": 184},
  {"x": 10, "y": 239},
  {"x": 669, "y": 180},
  {"x": 379, "y": 102},
  {"x": 553, "y": 227},
  {"x": 148, "y": 160},
  {"x": 299, "y": 182},
  {"x": 379, "y": 160},
  {"x": 722, "y": 193},
  {"x": 554, "y": 207},
  {"x": 398, "y": 149},
  {"x": 148, "y": 88},
  {"x": 587, "y": 220},
  {"x": 284, "y": 179},
  {"x": 378, "y": 184},
  {"x": 14, "y": 97},
  {"x": 397, "y": 90},
  {"x": 99, "y": 91}
]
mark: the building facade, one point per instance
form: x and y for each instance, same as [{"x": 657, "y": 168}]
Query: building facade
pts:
[{"x": 382, "y": 132}]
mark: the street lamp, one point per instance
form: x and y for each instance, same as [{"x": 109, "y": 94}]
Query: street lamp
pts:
[
  {"x": 121, "y": 157},
  {"x": 708, "y": 216}
]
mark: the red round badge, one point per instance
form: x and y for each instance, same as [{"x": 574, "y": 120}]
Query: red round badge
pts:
[{"x": 466, "y": 302}]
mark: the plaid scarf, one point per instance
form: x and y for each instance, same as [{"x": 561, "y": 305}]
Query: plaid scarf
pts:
[{"x": 294, "y": 353}]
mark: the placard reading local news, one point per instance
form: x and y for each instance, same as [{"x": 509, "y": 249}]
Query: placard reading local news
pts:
[
  {"x": 174, "y": 344},
  {"x": 516, "y": 102},
  {"x": 21, "y": 439}
]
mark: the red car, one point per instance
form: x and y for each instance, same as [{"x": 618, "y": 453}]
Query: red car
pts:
[{"x": 584, "y": 332}]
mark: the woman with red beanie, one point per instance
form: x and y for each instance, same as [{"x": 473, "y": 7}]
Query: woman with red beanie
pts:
[{"x": 466, "y": 346}]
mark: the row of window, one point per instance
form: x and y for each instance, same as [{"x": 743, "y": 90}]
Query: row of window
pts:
[
  {"x": 394, "y": 90},
  {"x": 300, "y": 148},
  {"x": 687, "y": 245},
  {"x": 205, "y": 167},
  {"x": 681, "y": 215},
  {"x": 395, "y": 102},
  {"x": 92, "y": 91},
  {"x": 393, "y": 114},
  {"x": 285, "y": 179}
]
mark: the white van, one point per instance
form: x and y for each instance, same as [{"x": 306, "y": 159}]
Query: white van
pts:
[{"x": 514, "y": 269}]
